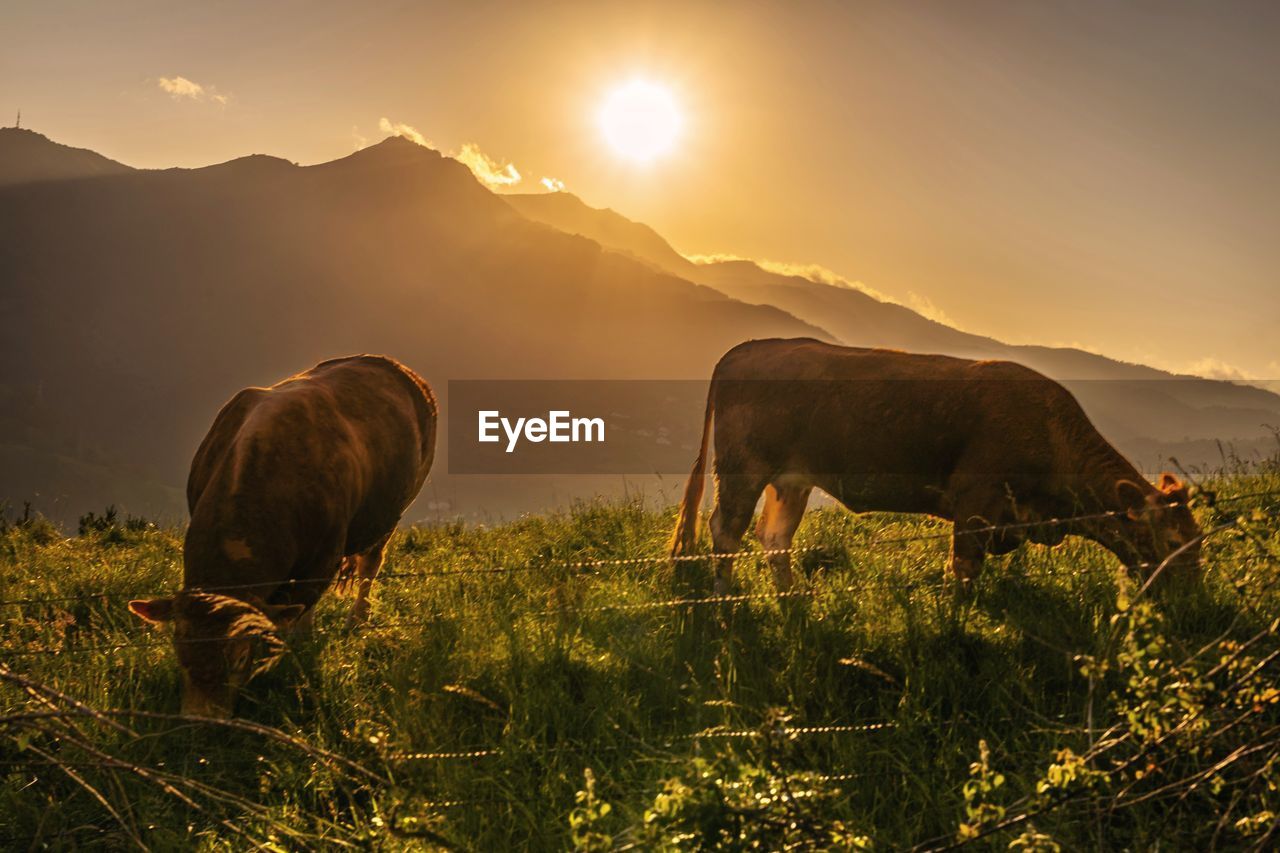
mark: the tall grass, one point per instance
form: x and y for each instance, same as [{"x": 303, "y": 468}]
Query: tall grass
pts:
[{"x": 560, "y": 673}]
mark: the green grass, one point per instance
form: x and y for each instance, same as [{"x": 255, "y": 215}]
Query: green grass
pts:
[{"x": 560, "y": 670}]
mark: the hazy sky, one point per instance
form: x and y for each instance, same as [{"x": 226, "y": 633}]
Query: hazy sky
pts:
[{"x": 1102, "y": 174}]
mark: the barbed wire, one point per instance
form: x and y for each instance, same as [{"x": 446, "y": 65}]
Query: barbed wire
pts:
[
  {"x": 811, "y": 591},
  {"x": 544, "y": 565},
  {"x": 260, "y": 760},
  {"x": 437, "y": 616},
  {"x": 703, "y": 734}
]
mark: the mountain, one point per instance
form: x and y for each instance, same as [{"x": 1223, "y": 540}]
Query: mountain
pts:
[
  {"x": 1149, "y": 412},
  {"x": 27, "y": 156},
  {"x": 133, "y": 304}
]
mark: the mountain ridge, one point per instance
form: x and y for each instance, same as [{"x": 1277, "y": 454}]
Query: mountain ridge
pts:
[
  {"x": 28, "y": 157},
  {"x": 147, "y": 297},
  {"x": 161, "y": 292}
]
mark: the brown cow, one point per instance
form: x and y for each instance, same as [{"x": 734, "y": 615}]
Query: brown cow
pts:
[
  {"x": 293, "y": 484},
  {"x": 980, "y": 443}
]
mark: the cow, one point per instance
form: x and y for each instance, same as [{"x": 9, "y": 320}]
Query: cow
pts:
[
  {"x": 296, "y": 486},
  {"x": 980, "y": 443}
]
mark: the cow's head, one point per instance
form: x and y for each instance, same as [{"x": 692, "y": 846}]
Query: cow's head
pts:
[
  {"x": 1155, "y": 526},
  {"x": 221, "y": 642}
]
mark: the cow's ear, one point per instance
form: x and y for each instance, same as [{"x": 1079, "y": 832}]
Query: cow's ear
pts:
[
  {"x": 153, "y": 610},
  {"x": 1132, "y": 498},
  {"x": 283, "y": 615},
  {"x": 1173, "y": 487}
]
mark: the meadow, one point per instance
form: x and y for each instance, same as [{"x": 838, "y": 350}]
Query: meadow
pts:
[{"x": 547, "y": 684}]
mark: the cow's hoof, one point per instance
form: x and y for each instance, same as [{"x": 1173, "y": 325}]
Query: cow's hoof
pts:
[{"x": 964, "y": 590}]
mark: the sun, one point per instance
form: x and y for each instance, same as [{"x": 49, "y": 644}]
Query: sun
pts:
[{"x": 641, "y": 121}]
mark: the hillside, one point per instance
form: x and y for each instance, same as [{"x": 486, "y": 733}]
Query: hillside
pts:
[
  {"x": 134, "y": 304},
  {"x": 1150, "y": 412}
]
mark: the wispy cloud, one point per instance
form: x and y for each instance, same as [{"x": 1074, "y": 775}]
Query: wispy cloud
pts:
[
  {"x": 1212, "y": 367},
  {"x": 406, "y": 131},
  {"x": 493, "y": 173},
  {"x": 553, "y": 185},
  {"x": 358, "y": 139},
  {"x": 487, "y": 169},
  {"x": 180, "y": 88},
  {"x": 1215, "y": 368},
  {"x": 927, "y": 308},
  {"x": 813, "y": 272}
]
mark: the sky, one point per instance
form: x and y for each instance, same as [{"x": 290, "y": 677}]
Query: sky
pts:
[{"x": 1096, "y": 174}]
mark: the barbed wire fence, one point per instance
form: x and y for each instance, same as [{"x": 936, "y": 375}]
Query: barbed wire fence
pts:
[{"x": 65, "y": 720}]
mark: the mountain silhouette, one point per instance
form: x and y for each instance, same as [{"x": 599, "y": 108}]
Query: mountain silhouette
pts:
[
  {"x": 133, "y": 304},
  {"x": 27, "y": 156}
]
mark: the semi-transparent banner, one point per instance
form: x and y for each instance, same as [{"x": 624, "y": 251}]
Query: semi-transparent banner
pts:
[{"x": 512, "y": 427}]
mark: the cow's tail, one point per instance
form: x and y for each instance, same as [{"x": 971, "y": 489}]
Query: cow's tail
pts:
[{"x": 685, "y": 537}]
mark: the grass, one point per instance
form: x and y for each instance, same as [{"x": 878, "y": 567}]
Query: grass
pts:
[{"x": 560, "y": 670}]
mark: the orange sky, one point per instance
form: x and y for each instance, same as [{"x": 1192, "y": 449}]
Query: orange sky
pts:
[{"x": 1092, "y": 173}]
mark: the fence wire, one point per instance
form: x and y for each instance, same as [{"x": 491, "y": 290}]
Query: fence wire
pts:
[
  {"x": 546, "y": 566},
  {"x": 550, "y": 565}
]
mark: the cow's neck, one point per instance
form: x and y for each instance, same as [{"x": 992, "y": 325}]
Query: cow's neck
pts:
[{"x": 1095, "y": 468}]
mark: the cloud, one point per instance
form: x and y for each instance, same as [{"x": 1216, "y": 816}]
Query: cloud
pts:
[
  {"x": 813, "y": 272},
  {"x": 492, "y": 173},
  {"x": 553, "y": 185},
  {"x": 925, "y": 307},
  {"x": 486, "y": 168},
  {"x": 1215, "y": 368},
  {"x": 403, "y": 130},
  {"x": 358, "y": 140},
  {"x": 1211, "y": 367},
  {"x": 180, "y": 87}
]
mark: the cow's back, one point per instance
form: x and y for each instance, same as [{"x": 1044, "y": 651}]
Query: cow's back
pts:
[
  {"x": 896, "y": 425},
  {"x": 322, "y": 462},
  {"x": 390, "y": 414}
]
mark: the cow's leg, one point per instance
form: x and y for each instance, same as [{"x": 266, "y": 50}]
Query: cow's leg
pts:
[
  {"x": 973, "y": 539},
  {"x": 784, "y": 505},
  {"x": 736, "y": 498},
  {"x": 366, "y": 569},
  {"x": 978, "y": 502}
]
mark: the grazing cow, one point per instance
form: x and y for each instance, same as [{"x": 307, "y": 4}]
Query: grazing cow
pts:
[
  {"x": 981, "y": 443},
  {"x": 295, "y": 486}
]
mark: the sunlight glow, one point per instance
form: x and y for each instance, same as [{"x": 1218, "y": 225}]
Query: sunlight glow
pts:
[{"x": 641, "y": 121}]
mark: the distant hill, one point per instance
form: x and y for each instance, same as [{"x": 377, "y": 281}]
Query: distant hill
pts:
[
  {"x": 133, "y": 304},
  {"x": 1150, "y": 412},
  {"x": 27, "y": 156}
]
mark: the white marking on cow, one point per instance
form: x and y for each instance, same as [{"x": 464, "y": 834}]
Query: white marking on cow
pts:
[{"x": 237, "y": 549}]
